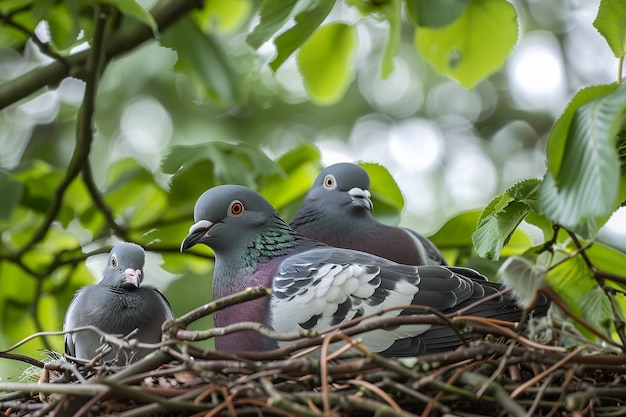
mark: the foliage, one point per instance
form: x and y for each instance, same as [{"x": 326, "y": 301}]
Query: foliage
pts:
[{"x": 52, "y": 218}]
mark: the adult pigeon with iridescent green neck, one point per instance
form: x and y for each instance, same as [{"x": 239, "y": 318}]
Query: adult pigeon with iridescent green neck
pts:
[
  {"x": 118, "y": 305},
  {"x": 337, "y": 210},
  {"x": 315, "y": 286}
]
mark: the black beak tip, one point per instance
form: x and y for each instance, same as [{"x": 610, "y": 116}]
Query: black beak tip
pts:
[{"x": 188, "y": 242}]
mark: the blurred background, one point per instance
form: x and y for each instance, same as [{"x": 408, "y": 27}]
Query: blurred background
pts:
[{"x": 448, "y": 148}]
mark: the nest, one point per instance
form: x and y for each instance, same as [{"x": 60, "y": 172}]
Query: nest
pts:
[{"x": 500, "y": 373}]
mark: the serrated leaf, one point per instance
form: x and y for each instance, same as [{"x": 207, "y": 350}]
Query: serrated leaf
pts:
[
  {"x": 585, "y": 189},
  {"x": 559, "y": 134},
  {"x": 434, "y": 14},
  {"x": 201, "y": 55},
  {"x": 273, "y": 16},
  {"x": 306, "y": 23},
  {"x": 474, "y": 45},
  {"x": 326, "y": 62},
  {"x": 11, "y": 192},
  {"x": 501, "y": 217},
  {"x": 611, "y": 23},
  {"x": 135, "y": 10}
]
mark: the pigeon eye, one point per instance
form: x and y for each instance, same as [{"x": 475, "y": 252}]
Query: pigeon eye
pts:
[
  {"x": 330, "y": 183},
  {"x": 235, "y": 208},
  {"x": 114, "y": 261}
]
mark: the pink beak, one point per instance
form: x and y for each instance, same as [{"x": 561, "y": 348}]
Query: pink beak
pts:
[{"x": 132, "y": 276}]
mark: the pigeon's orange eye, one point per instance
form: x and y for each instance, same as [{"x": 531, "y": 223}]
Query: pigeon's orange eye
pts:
[
  {"x": 330, "y": 183},
  {"x": 114, "y": 261},
  {"x": 235, "y": 208}
]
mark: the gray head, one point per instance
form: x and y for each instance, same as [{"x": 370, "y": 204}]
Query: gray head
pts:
[
  {"x": 343, "y": 186},
  {"x": 229, "y": 217},
  {"x": 125, "y": 266}
]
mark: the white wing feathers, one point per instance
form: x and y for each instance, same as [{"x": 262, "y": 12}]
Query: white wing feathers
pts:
[{"x": 321, "y": 288}]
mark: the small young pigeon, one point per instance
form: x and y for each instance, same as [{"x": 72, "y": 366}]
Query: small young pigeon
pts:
[
  {"x": 315, "y": 286},
  {"x": 117, "y": 305},
  {"x": 337, "y": 210}
]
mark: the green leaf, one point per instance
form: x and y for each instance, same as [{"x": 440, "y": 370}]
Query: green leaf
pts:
[
  {"x": 559, "y": 134},
  {"x": 523, "y": 276},
  {"x": 306, "y": 23},
  {"x": 571, "y": 279},
  {"x": 434, "y": 14},
  {"x": 132, "y": 193},
  {"x": 223, "y": 16},
  {"x": 474, "y": 45},
  {"x": 611, "y": 23},
  {"x": 232, "y": 163},
  {"x": 11, "y": 192},
  {"x": 620, "y": 145},
  {"x": 185, "y": 187},
  {"x": 135, "y": 10},
  {"x": 274, "y": 15},
  {"x": 326, "y": 62},
  {"x": 38, "y": 178},
  {"x": 596, "y": 308},
  {"x": 203, "y": 57},
  {"x": 501, "y": 217},
  {"x": 301, "y": 154},
  {"x": 608, "y": 259},
  {"x": 64, "y": 27},
  {"x": 286, "y": 189},
  {"x": 585, "y": 189},
  {"x": 386, "y": 195},
  {"x": 457, "y": 231}
]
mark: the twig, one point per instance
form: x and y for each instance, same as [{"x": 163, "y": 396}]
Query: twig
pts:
[
  {"x": 276, "y": 399},
  {"x": 98, "y": 200},
  {"x": 538, "y": 396},
  {"x": 86, "y": 389},
  {"x": 548, "y": 371},
  {"x": 43, "y": 47},
  {"x": 496, "y": 373},
  {"x": 382, "y": 394},
  {"x": 500, "y": 394},
  {"x": 209, "y": 308}
]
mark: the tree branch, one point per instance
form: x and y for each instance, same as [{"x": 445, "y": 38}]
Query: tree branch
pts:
[
  {"x": 84, "y": 130},
  {"x": 165, "y": 13}
]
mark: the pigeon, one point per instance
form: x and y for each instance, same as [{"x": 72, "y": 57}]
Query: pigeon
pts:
[
  {"x": 315, "y": 286},
  {"x": 337, "y": 210},
  {"x": 117, "y": 305}
]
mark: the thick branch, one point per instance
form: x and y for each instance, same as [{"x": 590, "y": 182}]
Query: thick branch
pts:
[{"x": 165, "y": 13}]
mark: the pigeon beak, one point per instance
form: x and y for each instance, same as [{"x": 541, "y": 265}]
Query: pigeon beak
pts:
[
  {"x": 197, "y": 233},
  {"x": 361, "y": 198},
  {"x": 133, "y": 276}
]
